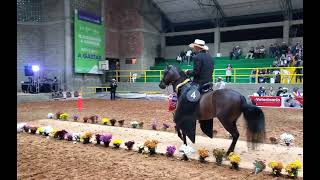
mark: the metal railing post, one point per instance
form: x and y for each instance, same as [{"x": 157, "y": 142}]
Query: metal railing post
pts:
[{"x": 145, "y": 76}]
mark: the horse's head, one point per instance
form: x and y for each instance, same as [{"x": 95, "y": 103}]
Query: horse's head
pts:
[{"x": 171, "y": 75}]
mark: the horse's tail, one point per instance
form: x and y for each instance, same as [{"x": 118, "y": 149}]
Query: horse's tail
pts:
[{"x": 255, "y": 122}]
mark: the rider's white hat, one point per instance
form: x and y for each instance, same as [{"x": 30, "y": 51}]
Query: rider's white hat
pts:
[{"x": 199, "y": 43}]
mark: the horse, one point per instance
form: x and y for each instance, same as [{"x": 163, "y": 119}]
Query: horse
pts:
[{"x": 225, "y": 104}]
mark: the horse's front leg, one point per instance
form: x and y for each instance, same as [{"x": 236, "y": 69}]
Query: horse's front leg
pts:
[{"x": 185, "y": 139}]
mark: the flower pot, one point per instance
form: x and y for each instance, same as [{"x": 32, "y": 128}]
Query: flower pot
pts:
[
  {"x": 201, "y": 159},
  {"x": 86, "y": 140},
  {"x": 276, "y": 172},
  {"x": 134, "y": 125},
  {"x": 152, "y": 151},
  {"x": 288, "y": 144},
  {"x": 106, "y": 144},
  {"x": 98, "y": 141},
  {"x": 235, "y": 166},
  {"x": 219, "y": 160},
  {"x": 117, "y": 146}
]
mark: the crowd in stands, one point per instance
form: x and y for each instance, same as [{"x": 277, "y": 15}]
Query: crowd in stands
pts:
[
  {"x": 185, "y": 56},
  {"x": 282, "y": 92}
]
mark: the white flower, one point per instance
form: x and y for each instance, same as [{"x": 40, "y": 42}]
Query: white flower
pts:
[
  {"x": 50, "y": 115},
  {"x": 20, "y": 127},
  {"x": 287, "y": 138},
  {"x": 187, "y": 150},
  {"x": 76, "y": 136},
  {"x": 134, "y": 123},
  {"x": 47, "y": 129}
]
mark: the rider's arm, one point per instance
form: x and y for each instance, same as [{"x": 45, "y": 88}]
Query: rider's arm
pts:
[{"x": 196, "y": 68}]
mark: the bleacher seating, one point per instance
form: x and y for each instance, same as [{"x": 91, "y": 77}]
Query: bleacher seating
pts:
[{"x": 220, "y": 63}]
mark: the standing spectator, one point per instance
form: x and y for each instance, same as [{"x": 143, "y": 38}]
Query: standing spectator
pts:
[
  {"x": 280, "y": 91},
  {"x": 220, "y": 84},
  {"x": 256, "y": 53},
  {"x": 284, "y": 48},
  {"x": 228, "y": 73},
  {"x": 253, "y": 76},
  {"x": 261, "y": 78},
  {"x": 262, "y": 52},
  {"x": 179, "y": 59},
  {"x": 278, "y": 77},
  {"x": 55, "y": 84},
  {"x": 118, "y": 70},
  {"x": 113, "y": 89},
  {"x": 272, "y": 51},
  {"x": 270, "y": 91},
  {"x": 299, "y": 71},
  {"x": 261, "y": 91},
  {"x": 188, "y": 55},
  {"x": 250, "y": 53}
]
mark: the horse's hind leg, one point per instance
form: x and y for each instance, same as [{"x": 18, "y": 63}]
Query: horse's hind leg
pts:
[
  {"x": 207, "y": 127},
  {"x": 231, "y": 127}
]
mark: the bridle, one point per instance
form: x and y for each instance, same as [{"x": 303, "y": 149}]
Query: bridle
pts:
[{"x": 175, "y": 81}]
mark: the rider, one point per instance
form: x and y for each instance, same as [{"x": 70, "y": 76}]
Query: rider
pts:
[{"x": 202, "y": 63}]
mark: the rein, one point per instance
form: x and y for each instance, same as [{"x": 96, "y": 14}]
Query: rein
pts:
[{"x": 181, "y": 84}]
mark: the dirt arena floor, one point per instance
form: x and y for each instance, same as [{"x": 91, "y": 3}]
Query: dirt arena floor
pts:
[
  {"x": 41, "y": 158},
  {"x": 278, "y": 121}
]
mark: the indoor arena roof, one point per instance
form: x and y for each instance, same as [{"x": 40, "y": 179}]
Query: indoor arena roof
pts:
[{"x": 179, "y": 11}]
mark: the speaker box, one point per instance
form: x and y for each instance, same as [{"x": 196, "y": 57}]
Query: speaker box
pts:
[{"x": 28, "y": 71}]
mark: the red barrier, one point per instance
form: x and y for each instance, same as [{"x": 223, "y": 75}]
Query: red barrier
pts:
[{"x": 274, "y": 101}]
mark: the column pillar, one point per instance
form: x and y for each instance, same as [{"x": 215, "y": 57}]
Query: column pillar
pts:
[
  {"x": 163, "y": 45},
  {"x": 286, "y": 30},
  {"x": 68, "y": 70},
  {"x": 216, "y": 41}
]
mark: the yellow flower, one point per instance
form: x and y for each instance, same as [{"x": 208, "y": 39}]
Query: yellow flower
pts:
[
  {"x": 53, "y": 132},
  {"x": 117, "y": 142},
  {"x": 64, "y": 116},
  {"x": 39, "y": 130},
  {"x": 275, "y": 164},
  {"x": 203, "y": 153},
  {"x": 105, "y": 120},
  {"x": 295, "y": 165},
  {"x": 234, "y": 158},
  {"x": 151, "y": 144},
  {"x": 87, "y": 135}
]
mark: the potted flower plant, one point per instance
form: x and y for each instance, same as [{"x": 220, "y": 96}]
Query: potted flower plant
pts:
[
  {"x": 26, "y": 128},
  {"x": 39, "y": 131},
  {"x": 58, "y": 115},
  {"x": 129, "y": 144},
  {"x": 64, "y": 116},
  {"x": 218, "y": 154},
  {"x": 141, "y": 148},
  {"x": 94, "y": 119},
  {"x": 293, "y": 168},
  {"x": 68, "y": 137},
  {"x": 121, "y": 122},
  {"x": 106, "y": 139},
  {"x": 60, "y": 134},
  {"x": 170, "y": 151},
  {"x": 134, "y": 124},
  {"x": 234, "y": 160},
  {"x": 33, "y": 130},
  {"x": 113, "y": 122},
  {"x": 154, "y": 125},
  {"x": 86, "y": 137},
  {"x": 165, "y": 126},
  {"x": 50, "y": 115},
  {"x": 151, "y": 145},
  {"x": 140, "y": 125},
  {"x": 287, "y": 138},
  {"x": 259, "y": 166},
  {"x": 105, "y": 121},
  {"x": 276, "y": 168},
  {"x": 203, "y": 154},
  {"x": 85, "y": 119},
  {"x": 75, "y": 118},
  {"x": 116, "y": 143}
]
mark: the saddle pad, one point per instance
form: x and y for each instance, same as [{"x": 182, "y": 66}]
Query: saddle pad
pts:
[{"x": 193, "y": 94}]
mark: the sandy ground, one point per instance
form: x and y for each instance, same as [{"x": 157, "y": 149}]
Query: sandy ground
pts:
[
  {"x": 278, "y": 121},
  {"x": 42, "y": 158}
]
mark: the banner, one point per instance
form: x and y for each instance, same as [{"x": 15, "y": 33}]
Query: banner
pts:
[
  {"x": 274, "y": 101},
  {"x": 88, "y": 42}
]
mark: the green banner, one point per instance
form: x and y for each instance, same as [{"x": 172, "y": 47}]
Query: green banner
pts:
[{"x": 88, "y": 42}]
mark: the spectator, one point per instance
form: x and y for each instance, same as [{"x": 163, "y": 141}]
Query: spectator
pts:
[
  {"x": 256, "y": 54},
  {"x": 270, "y": 91},
  {"x": 278, "y": 77},
  {"x": 183, "y": 55},
  {"x": 236, "y": 52},
  {"x": 179, "y": 59},
  {"x": 250, "y": 53},
  {"x": 284, "y": 92},
  {"x": 280, "y": 91},
  {"x": 283, "y": 60},
  {"x": 291, "y": 102},
  {"x": 296, "y": 92},
  {"x": 299, "y": 71},
  {"x": 188, "y": 55},
  {"x": 272, "y": 51},
  {"x": 253, "y": 76},
  {"x": 220, "y": 84},
  {"x": 262, "y": 52},
  {"x": 113, "y": 89},
  {"x": 228, "y": 73},
  {"x": 261, "y": 91},
  {"x": 261, "y": 78},
  {"x": 284, "y": 48}
]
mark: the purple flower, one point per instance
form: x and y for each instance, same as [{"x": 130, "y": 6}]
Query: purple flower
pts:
[
  {"x": 106, "y": 137},
  {"x": 165, "y": 126},
  {"x": 129, "y": 144},
  {"x": 154, "y": 126},
  {"x": 68, "y": 136},
  {"x": 171, "y": 150}
]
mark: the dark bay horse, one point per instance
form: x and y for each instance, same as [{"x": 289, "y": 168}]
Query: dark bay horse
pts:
[{"x": 225, "y": 104}]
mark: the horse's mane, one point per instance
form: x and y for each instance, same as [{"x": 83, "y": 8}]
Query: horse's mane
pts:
[{"x": 181, "y": 72}]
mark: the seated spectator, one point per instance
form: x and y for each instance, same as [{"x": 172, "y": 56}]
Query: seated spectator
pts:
[
  {"x": 284, "y": 48},
  {"x": 183, "y": 55},
  {"x": 235, "y": 53},
  {"x": 291, "y": 102},
  {"x": 262, "y": 52},
  {"x": 272, "y": 51},
  {"x": 256, "y": 54},
  {"x": 261, "y": 91},
  {"x": 299, "y": 71},
  {"x": 220, "y": 84},
  {"x": 283, "y": 60},
  {"x": 278, "y": 77},
  {"x": 270, "y": 91},
  {"x": 253, "y": 76},
  {"x": 261, "y": 78},
  {"x": 179, "y": 59},
  {"x": 250, "y": 53},
  {"x": 284, "y": 92},
  {"x": 296, "y": 92},
  {"x": 280, "y": 91}
]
